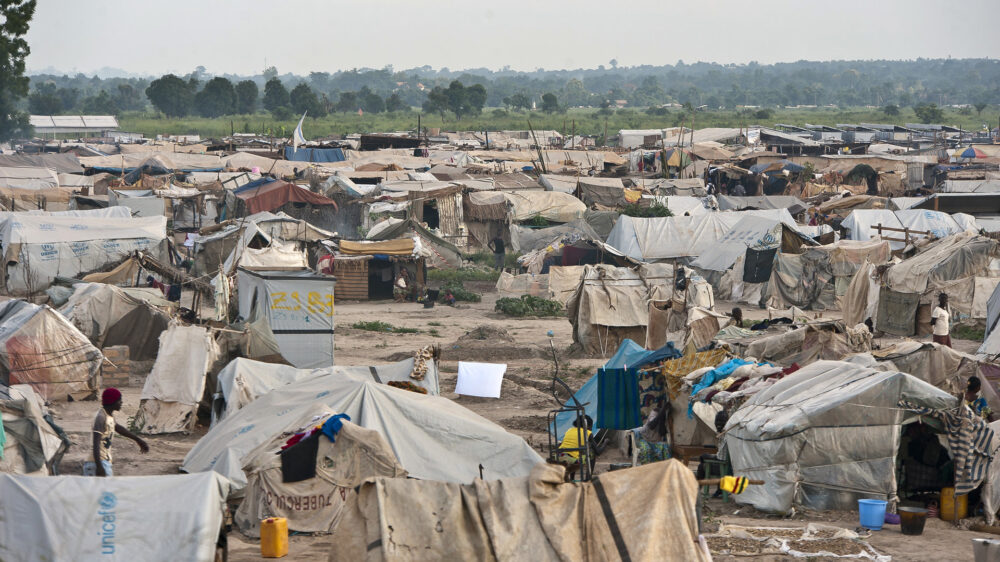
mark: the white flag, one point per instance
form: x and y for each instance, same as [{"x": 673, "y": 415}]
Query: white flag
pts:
[{"x": 297, "y": 137}]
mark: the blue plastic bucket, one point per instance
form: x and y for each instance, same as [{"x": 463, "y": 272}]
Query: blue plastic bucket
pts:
[{"x": 872, "y": 513}]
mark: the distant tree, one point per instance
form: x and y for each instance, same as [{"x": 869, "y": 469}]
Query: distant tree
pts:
[
  {"x": 69, "y": 97},
  {"x": 456, "y": 98},
  {"x": 44, "y": 100},
  {"x": 14, "y": 19},
  {"x": 171, "y": 95},
  {"x": 550, "y": 103},
  {"x": 128, "y": 98},
  {"x": 980, "y": 107},
  {"x": 275, "y": 95},
  {"x": 763, "y": 114},
  {"x": 348, "y": 102},
  {"x": 520, "y": 100},
  {"x": 370, "y": 101},
  {"x": 613, "y": 63},
  {"x": 303, "y": 99},
  {"x": 475, "y": 99},
  {"x": 395, "y": 103},
  {"x": 270, "y": 73},
  {"x": 283, "y": 113},
  {"x": 437, "y": 101},
  {"x": 892, "y": 110},
  {"x": 246, "y": 97},
  {"x": 99, "y": 104},
  {"x": 216, "y": 99},
  {"x": 928, "y": 112}
]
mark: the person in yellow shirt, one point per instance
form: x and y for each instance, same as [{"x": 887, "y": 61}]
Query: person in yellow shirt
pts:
[{"x": 575, "y": 437}]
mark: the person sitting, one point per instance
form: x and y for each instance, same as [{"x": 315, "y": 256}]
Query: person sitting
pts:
[
  {"x": 401, "y": 286},
  {"x": 975, "y": 401},
  {"x": 449, "y": 299},
  {"x": 575, "y": 437}
]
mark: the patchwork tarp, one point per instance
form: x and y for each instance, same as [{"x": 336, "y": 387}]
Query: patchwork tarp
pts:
[
  {"x": 299, "y": 309},
  {"x": 244, "y": 380},
  {"x": 313, "y": 505},
  {"x": 825, "y": 436},
  {"x": 173, "y": 389},
  {"x": 433, "y": 437},
  {"x": 812, "y": 342},
  {"x": 524, "y": 239},
  {"x": 755, "y": 232},
  {"x": 39, "y": 347},
  {"x": 439, "y": 253},
  {"x": 110, "y": 316},
  {"x": 953, "y": 258},
  {"x": 272, "y": 196},
  {"x": 645, "y": 513},
  {"x": 31, "y": 445},
  {"x": 85, "y": 518}
]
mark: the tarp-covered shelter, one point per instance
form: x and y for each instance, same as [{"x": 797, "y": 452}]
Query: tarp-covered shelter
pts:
[
  {"x": 552, "y": 206},
  {"x": 299, "y": 309},
  {"x": 33, "y": 443},
  {"x": 110, "y": 316},
  {"x": 816, "y": 341},
  {"x": 244, "y": 380},
  {"x": 817, "y": 278},
  {"x": 645, "y": 513},
  {"x": 39, "y": 347},
  {"x": 753, "y": 233},
  {"x": 274, "y": 195},
  {"x": 173, "y": 389},
  {"x": 37, "y": 248},
  {"x": 341, "y": 465},
  {"x": 433, "y": 437},
  {"x": 610, "y": 304},
  {"x": 651, "y": 239},
  {"x": 863, "y": 224},
  {"x": 830, "y": 433},
  {"x": 438, "y": 252},
  {"x": 118, "y": 518},
  {"x": 733, "y": 203}
]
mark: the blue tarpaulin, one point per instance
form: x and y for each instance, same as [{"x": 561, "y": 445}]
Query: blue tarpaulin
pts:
[
  {"x": 629, "y": 354},
  {"x": 253, "y": 184},
  {"x": 314, "y": 154}
]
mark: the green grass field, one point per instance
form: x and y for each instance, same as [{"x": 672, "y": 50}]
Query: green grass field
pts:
[{"x": 587, "y": 121}]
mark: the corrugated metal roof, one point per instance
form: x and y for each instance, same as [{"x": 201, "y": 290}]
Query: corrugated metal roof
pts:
[{"x": 73, "y": 121}]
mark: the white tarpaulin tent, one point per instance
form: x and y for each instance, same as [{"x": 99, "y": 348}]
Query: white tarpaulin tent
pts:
[
  {"x": 142, "y": 202},
  {"x": 758, "y": 233},
  {"x": 650, "y": 239},
  {"x": 861, "y": 224},
  {"x": 169, "y": 399},
  {"x": 433, "y": 437},
  {"x": 244, "y": 380},
  {"x": 299, "y": 309},
  {"x": 37, "y": 248},
  {"x": 826, "y": 435},
  {"x": 32, "y": 444},
  {"x": 552, "y": 206},
  {"x": 148, "y": 518}
]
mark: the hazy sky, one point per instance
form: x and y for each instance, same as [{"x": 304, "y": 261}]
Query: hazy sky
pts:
[{"x": 299, "y": 36}]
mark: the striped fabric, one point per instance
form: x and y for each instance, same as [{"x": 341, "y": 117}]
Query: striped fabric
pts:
[
  {"x": 618, "y": 399},
  {"x": 970, "y": 440}
]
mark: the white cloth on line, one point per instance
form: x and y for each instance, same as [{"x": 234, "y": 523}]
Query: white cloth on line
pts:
[{"x": 480, "y": 379}]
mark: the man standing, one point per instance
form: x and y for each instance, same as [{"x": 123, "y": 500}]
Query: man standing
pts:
[
  {"x": 498, "y": 252},
  {"x": 941, "y": 321},
  {"x": 104, "y": 428}
]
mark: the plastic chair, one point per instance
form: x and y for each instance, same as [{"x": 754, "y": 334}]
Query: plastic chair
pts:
[{"x": 715, "y": 468}]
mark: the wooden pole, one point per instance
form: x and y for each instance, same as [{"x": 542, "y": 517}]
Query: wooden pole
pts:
[{"x": 573, "y": 146}]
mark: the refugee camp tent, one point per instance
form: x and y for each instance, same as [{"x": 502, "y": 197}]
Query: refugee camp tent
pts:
[
  {"x": 756, "y": 233},
  {"x": 818, "y": 340},
  {"x": 40, "y": 348},
  {"x": 524, "y": 239},
  {"x": 817, "y": 278},
  {"x": 141, "y": 202},
  {"x": 433, "y": 437},
  {"x": 535, "y": 517},
  {"x": 316, "y": 504},
  {"x": 651, "y": 239},
  {"x": 299, "y": 309},
  {"x": 244, "y": 380},
  {"x": 829, "y": 434},
  {"x": 862, "y": 224},
  {"x": 991, "y": 336},
  {"x": 33, "y": 444},
  {"x": 37, "y": 248},
  {"x": 173, "y": 389},
  {"x": 276, "y": 194},
  {"x": 33, "y": 179},
  {"x": 610, "y": 306},
  {"x": 110, "y": 316},
  {"x": 438, "y": 252},
  {"x": 552, "y": 206},
  {"x": 154, "y": 518},
  {"x": 733, "y": 203}
]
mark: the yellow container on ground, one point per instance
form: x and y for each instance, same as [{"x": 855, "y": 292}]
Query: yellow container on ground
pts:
[
  {"x": 949, "y": 502},
  {"x": 274, "y": 537}
]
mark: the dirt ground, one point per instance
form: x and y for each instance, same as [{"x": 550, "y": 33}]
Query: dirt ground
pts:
[{"x": 525, "y": 401}]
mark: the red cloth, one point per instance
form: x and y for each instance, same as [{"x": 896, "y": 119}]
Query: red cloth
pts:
[{"x": 275, "y": 194}]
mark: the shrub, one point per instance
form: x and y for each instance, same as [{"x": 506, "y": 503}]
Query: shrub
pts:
[
  {"x": 458, "y": 291},
  {"x": 379, "y": 326},
  {"x": 528, "y": 305},
  {"x": 657, "y": 209}
]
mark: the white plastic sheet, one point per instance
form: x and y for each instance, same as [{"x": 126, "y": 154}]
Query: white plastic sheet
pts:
[{"x": 480, "y": 379}]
